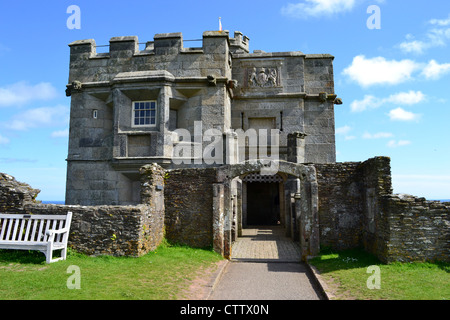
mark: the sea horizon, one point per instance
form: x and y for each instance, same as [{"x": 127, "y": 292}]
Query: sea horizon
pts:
[{"x": 52, "y": 202}]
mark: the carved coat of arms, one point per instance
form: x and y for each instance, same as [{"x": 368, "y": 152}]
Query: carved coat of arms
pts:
[{"x": 263, "y": 77}]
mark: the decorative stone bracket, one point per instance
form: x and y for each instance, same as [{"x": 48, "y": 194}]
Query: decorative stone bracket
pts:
[{"x": 76, "y": 86}]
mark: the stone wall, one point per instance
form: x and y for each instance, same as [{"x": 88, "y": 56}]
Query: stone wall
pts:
[
  {"x": 109, "y": 230},
  {"x": 188, "y": 203},
  {"x": 376, "y": 181},
  {"x": 14, "y": 194},
  {"x": 357, "y": 209},
  {"x": 418, "y": 229},
  {"x": 350, "y": 194},
  {"x": 99, "y": 230},
  {"x": 340, "y": 204}
]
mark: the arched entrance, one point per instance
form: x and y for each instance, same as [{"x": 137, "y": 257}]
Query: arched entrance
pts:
[{"x": 297, "y": 200}]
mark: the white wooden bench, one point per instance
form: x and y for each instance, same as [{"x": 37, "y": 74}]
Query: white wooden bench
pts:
[{"x": 44, "y": 233}]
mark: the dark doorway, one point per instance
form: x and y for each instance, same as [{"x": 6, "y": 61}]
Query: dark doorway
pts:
[{"x": 263, "y": 203}]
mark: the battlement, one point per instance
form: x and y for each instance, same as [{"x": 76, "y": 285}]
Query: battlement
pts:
[
  {"x": 162, "y": 44},
  {"x": 167, "y": 51}
]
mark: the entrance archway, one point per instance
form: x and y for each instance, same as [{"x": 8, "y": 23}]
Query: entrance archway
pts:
[{"x": 300, "y": 204}]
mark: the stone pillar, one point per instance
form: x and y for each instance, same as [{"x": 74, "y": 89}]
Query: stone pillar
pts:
[
  {"x": 227, "y": 221},
  {"x": 296, "y": 147},
  {"x": 230, "y": 148},
  {"x": 218, "y": 218},
  {"x": 309, "y": 216},
  {"x": 152, "y": 196}
]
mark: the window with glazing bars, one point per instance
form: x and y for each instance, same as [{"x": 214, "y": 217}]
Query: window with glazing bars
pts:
[{"x": 144, "y": 113}]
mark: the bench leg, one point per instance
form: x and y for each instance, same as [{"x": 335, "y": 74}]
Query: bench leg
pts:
[
  {"x": 49, "y": 253},
  {"x": 64, "y": 253}
]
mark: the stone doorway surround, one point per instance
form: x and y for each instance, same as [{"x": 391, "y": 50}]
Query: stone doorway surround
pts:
[{"x": 226, "y": 209}]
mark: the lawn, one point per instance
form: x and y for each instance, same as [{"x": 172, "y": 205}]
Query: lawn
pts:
[
  {"x": 164, "y": 274},
  {"x": 349, "y": 276}
]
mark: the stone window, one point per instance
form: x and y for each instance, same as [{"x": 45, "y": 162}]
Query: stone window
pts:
[{"x": 144, "y": 113}]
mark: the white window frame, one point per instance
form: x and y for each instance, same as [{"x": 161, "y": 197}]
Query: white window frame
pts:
[{"x": 133, "y": 114}]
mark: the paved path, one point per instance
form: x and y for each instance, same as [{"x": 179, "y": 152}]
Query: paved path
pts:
[
  {"x": 265, "y": 265},
  {"x": 265, "y": 243}
]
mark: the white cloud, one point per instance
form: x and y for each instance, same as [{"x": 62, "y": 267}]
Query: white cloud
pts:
[
  {"x": 3, "y": 140},
  {"x": 401, "y": 98},
  {"x": 437, "y": 36},
  {"x": 378, "y": 135},
  {"x": 343, "y": 130},
  {"x": 378, "y": 70},
  {"x": 39, "y": 117},
  {"x": 441, "y": 22},
  {"x": 400, "y": 114},
  {"x": 21, "y": 93},
  {"x": 315, "y": 8},
  {"x": 413, "y": 46},
  {"x": 411, "y": 97},
  {"x": 60, "y": 134},
  {"x": 434, "y": 70},
  {"x": 369, "y": 101},
  {"x": 400, "y": 143}
]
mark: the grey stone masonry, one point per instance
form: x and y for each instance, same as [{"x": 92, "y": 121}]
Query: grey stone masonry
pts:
[{"x": 219, "y": 85}]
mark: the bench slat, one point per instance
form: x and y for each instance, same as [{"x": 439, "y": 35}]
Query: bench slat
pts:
[
  {"x": 33, "y": 233},
  {"x": 8, "y": 233},
  {"x": 41, "y": 225},
  {"x": 27, "y": 232},
  {"x": 3, "y": 226},
  {"x": 20, "y": 231}
]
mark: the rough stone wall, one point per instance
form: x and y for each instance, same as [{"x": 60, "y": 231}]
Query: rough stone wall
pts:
[
  {"x": 357, "y": 209},
  {"x": 340, "y": 204},
  {"x": 108, "y": 230},
  {"x": 376, "y": 181},
  {"x": 350, "y": 194},
  {"x": 99, "y": 230},
  {"x": 14, "y": 194},
  {"x": 188, "y": 203},
  {"x": 418, "y": 229}
]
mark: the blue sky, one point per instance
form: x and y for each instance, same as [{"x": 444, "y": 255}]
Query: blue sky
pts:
[{"x": 394, "y": 81}]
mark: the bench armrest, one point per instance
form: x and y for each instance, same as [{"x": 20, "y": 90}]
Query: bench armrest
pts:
[{"x": 51, "y": 233}]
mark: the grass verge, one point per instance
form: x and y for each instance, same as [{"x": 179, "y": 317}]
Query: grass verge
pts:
[
  {"x": 163, "y": 274},
  {"x": 347, "y": 275}
]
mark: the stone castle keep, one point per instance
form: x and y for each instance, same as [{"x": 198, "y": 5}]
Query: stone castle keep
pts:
[{"x": 161, "y": 145}]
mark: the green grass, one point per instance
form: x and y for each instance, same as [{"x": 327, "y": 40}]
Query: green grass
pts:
[
  {"x": 346, "y": 274},
  {"x": 160, "y": 275}
]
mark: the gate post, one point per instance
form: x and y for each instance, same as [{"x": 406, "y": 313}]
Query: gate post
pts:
[
  {"x": 218, "y": 218},
  {"x": 309, "y": 218}
]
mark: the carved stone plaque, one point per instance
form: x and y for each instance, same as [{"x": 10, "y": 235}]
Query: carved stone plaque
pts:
[{"x": 262, "y": 77}]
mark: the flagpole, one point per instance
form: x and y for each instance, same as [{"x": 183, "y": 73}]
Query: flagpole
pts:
[{"x": 220, "y": 24}]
